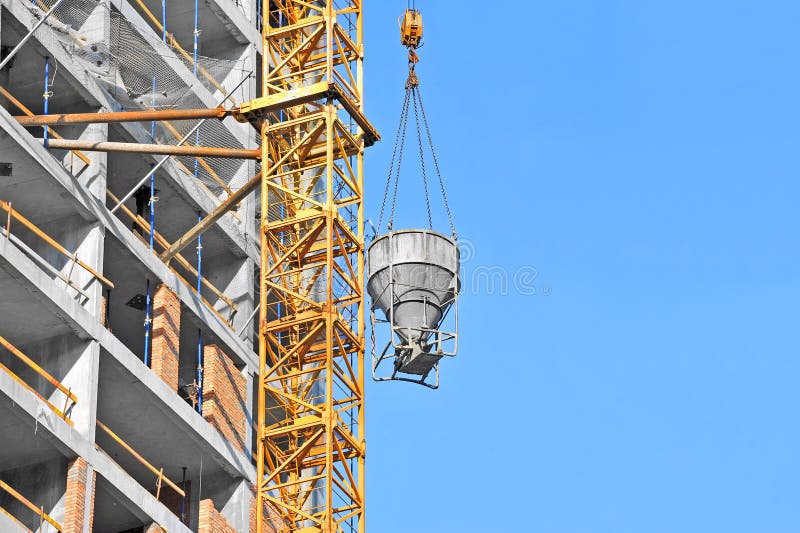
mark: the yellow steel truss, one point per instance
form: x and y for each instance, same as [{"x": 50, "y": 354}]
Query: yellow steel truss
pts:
[{"x": 311, "y": 343}]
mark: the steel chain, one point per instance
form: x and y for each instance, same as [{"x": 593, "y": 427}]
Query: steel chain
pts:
[
  {"x": 399, "y": 160},
  {"x": 400, "y": 126},
  {"x": 436, "y": 165},
  {"x": 422, "y": 159}
]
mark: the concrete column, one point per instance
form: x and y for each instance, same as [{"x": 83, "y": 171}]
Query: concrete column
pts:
[
  {"x": 250, "y": 430},
  {"x": 235, "y": 279},
  {"x": 237, "y": 509},
  {"x": 74, "y": 362}
]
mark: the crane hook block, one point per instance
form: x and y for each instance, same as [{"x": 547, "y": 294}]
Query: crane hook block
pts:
[{"x": 411, "y": 28}]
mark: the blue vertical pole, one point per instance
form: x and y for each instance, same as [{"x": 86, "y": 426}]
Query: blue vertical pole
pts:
[
  {"x": 147, "y": 327},
  {"x": 199, "y": 334},
  {"x": 199, "y": 218},
  {"x": 153, "y": 106},
  {"x": 46, "y": 94},
  {"x": 194, "y": 57},
  {"x": 199, "y": 371},
  {"x": 196, "y": 33}
]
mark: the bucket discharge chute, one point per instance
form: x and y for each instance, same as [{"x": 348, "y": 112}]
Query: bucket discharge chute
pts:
[{"x": 412, "y": 274}]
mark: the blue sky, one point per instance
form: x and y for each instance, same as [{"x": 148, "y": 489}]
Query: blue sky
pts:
[{"x": 642, "y": 157}]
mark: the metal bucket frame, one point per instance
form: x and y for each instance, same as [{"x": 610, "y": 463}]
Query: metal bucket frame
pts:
[{"x": 445, "y": 342}]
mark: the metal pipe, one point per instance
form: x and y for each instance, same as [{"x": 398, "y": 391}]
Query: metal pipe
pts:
[
  {"x": 142, "y": 223},
  {"x": 152, "y": 170},
  {"x": 157, "y": 149},
  {"x": 177, "y": 46},
  {"x": 47, "y": 266},
  {"x": 123, "y": 116},
  {"x": 183, "y": 498},
  {"x": 46, "y": 238},
  {"x": 152, "y": 206},
  {"x": 147, "y": 321},
  {"x": 27, "y": 503},
  {"x": 29, "y": 113},
  {"x": 46, "y": 94},
  {"x": 199, "y": 371},
  {"x": 29, "y": 35},
  {"x": 183, "y": 140},
  {"x": 139, "y": 458},
  {"x": 212, "y": 217},
  {"x": 39, "y": 370},
  {"x": 249, "y": 319},
  {"x": 199, "y": 333},
  {"x": 153, "y": 107}
]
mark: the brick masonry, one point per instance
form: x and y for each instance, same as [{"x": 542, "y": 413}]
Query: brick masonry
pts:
[
  {"x": 91, "y": 500},
  {"x": 154, "y": 528},
  {"x": 224, "y": 396},
  {"x": 75, "y": 497},
  {"x": 166, "y": 335},
  {"x": 211, "y": 521}
]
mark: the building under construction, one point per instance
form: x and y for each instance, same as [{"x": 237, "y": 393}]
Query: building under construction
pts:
[
  {"x": 127, "y": 382},
  {"x": 182, "y": 260}
]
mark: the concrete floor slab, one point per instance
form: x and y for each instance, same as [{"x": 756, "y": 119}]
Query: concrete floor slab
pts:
[
  {"x": 70, "y": 443},
  {"x": 129, "y": 380}
]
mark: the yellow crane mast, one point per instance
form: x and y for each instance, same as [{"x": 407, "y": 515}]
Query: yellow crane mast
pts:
[{"x": 311, "y": 444}]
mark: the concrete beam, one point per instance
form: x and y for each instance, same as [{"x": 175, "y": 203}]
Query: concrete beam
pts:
[
  {"x": 238, "y": 130},
  {"x": 82, "y": 81},
  {"x": 7, "y": 524},
  {"x": 73, "y": 444},
  {"x": 88, "y": 327},
  {"x": 243, "y": 29},
  {"x": 114, "y": 226}
]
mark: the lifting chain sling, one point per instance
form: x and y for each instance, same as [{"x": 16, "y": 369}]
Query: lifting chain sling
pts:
[{"x": 411, "y": 37}]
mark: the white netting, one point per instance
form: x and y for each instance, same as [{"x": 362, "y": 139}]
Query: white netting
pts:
[{"x": 143, "y": 76}]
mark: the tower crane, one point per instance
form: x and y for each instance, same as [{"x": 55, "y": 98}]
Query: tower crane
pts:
[{"x": 313, "y": 131}]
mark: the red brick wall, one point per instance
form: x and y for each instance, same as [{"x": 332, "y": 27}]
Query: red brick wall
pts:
[
  {"x": 224, "y": 395},
  {"x": 91, "y": 502},
  {"x": 103, "y": 307},
  {"x": 210, "y": 521},
  {"x": 75, "y": 506},
  {"x": 166, "y": 335}
]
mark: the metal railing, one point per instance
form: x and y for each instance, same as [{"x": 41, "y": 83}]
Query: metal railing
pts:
[
  {"x": 43, "y": 517},
  {"x": 160, "y": 477},
  {"x": 69, "y": 396},
  {"x": 163, "y": 243},
  {"x": 73, "y": 257},
  {"x": 172, "y": 41},
  {"x": 27, "y": 112}
]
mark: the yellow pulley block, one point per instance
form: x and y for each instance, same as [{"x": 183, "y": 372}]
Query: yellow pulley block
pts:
[{"x": 411, "y": 28}]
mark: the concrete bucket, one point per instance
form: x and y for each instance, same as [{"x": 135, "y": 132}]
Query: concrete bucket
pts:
[{"x": 412, "y": 278}]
